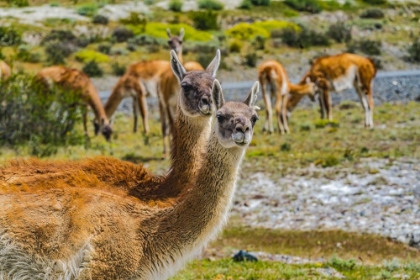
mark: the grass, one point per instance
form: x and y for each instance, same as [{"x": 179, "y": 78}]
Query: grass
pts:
[{"x": 356, "y": 256}]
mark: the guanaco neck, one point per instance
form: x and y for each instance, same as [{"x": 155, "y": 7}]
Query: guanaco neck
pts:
[
  {"x": 201, "y": 213},
  {"x": 300, "y": 89},
  {"x": 187, "y": 149},
  {"x": 96, "y": 104},
  {"x": 113, "y": 101}
]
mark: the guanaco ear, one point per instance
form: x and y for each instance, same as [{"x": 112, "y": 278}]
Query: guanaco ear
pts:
[
  {"x": 217, "y": 95},
  {"x": 177, "y": 66},
  {"x": 168, "y": 31},
  {"x": 181, "y": 34},
  {"x": 214, "y": 65},
  {"x": 252, "y": 97}
]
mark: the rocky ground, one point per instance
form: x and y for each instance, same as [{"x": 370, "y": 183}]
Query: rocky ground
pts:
[{"x": 374, "y": 196}]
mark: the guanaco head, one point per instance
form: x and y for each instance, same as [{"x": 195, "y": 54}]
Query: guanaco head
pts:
[
  {"x": 175, "y": 42},
  {"x": 235, "y": 120},
  {"x": 196, "y": 87},
  {"x": 104, "y": 126}
]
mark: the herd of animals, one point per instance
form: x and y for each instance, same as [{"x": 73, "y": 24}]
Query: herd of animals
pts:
[
  {"x": 103, "y": 218},
  {"x": 155, "y": 78}
]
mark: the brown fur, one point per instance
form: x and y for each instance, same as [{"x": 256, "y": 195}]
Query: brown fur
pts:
[
  {"x": 74, "y": 79},
  {"x": 326, "y": 71},
  {"x": 5, "y": 71},
  {"x": 84, "y": 232},
  {"x": 273, "y": 74}
]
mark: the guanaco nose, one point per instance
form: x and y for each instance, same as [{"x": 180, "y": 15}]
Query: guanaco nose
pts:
[
  {"x": 241, "y": 125},
  {"x": 205, "y": 100}
]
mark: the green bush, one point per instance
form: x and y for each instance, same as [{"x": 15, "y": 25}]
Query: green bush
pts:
[
  {"x": 342, "y": 265},
  {"x": 414, "y": 51},
  {"x": 246, "y": 31},
  {"x": 87, "y": 9},
  {"x": 122, "y": 34},
  {"x": 310, "y": 6},
  {"x": 205, "y": 20},
  {"x": 9, "y": 36},
  {"x": 304, "y": 38},
  {"x": 158, "y": 30},
  {"x": 372, "y": 13},
  {"x": 104, "y": 48},
  {"x": 175, "y": 5},
  {"x": 199, "y": 47},
  {"x": 30, "y": 117},
  {"x": 56, "y": 52},
  {"x": 25, "y": 54},
  {"x": 235, "y": 45},
  {"x": 91, "y": 55},
  {"x": 261, "y": 2},
  {"x": 251, "y": 59},
  {"x": 100, "y": 19},
  {"x": 18, "y": 3},
  {"x": 271, "y": 25},
  {"x": 340, "y": 32},
  {"x": 135, "y": 19},
  {"x": 259, "y": 42},
  {"x": 245, "y": 5},
  {"x": 375, "y": 2},
  {"x": 370, "y": 47},
  {"x": 92, "y": 69},
  {"x": 118, "y": 69},
  {"x": 146, "y": 40},
  {"x": 210, "y": 5}
]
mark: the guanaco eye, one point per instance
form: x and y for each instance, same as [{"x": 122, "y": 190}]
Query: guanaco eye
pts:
[
  {"x": 186, "y": 87},
  {"x": 254, "y": 119},
  {"x": 220, "y": 118}
]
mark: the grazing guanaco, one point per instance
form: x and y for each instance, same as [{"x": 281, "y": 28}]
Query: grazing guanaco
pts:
[
  {"x": 272, "y": 74},
  {"x": 70, "y": 229},
  {"x": 141, "y": 80},
  {"x": 340, "y": 72},
  {"x": 5, "y": 71},
  {"x": 73, "y": 79}
]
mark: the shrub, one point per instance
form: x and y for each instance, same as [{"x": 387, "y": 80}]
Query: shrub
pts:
[
  {"x": 135, "y": 19},
  {"x": 251, "y": 59},
  {"x": 304, "y": 38},
  {"x": 339, "y": 32},
  {"x": 91, "y": 55},
  {"x": 245, "y": 5},
  {"x": 342, "y": 265},
  {"x": 29, "y": 116},
  {"x": 92, "y": 69},
  {"x": 375, "y": 2},
  {"x": 88, "y": 9},
  {"x": 246, "y": 31},
  {"x": 377, "y": 62},
  {"x": 261, "y": 2},
  {"x": 175, "y": 5},
  {"x": 210, "y": 5},
  {"x": 285, "y": 147},
  {"x": 122, "y": 34},
  {"x": 235, "y": 45},
  {"x": 145, "y": 40},
  {"x": 370, "y": 47},
  {"x": 18, "y": 3},
  {"x": 259, "y": 42},
  {"x": 24, "y": 54},
  {"x": 9, "y": 36},
  {"x": 118, "y": 69},
  {"x": 198, "y": 47},
  {"x": 372, "y": 13},
  {"x": 414, "y": 51},
  {"x": 104, "y": 48},
  {"x": 56, "y": 52},
  {"x": 310, "y": 6},
  {"x": 158, "y": 30},
  {"x": 100, "y": 19},
  {"x": 205, "y": 20},
  {"x": 271, "y": 25}
]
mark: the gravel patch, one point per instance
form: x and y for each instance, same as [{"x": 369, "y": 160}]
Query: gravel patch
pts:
[{"x": 382, "y": 203}]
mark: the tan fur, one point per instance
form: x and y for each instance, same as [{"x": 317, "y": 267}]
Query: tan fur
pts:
[
  {"x": 77, "y": 231},
  {"x": 74, "y": 79},
  {"x": 271, "y": 73},
  {"x": 342, "y": 71},
  {"x": 5, "y": 71},
  {"x": 168, "y": 89},
  {"x": 141, "y": 80}
]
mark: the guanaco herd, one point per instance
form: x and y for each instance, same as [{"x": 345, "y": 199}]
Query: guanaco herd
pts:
[{"x": 104, "y": 218}]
